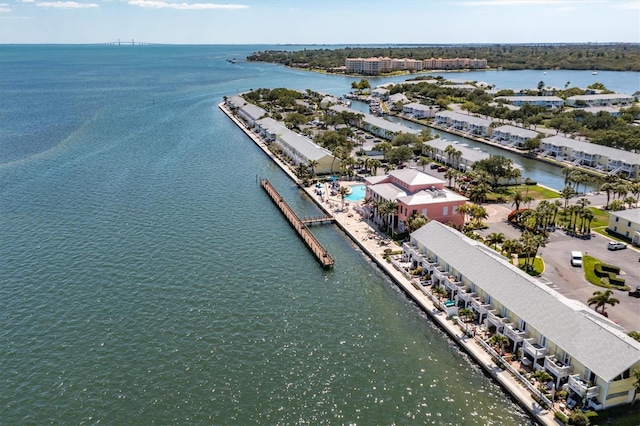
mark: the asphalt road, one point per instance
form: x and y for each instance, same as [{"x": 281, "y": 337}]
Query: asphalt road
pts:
[
  {"x": 559, "y": 274},
  {"x": 570, "y": 281}
]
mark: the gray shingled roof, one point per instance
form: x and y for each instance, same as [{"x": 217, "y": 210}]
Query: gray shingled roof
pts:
[
  {"x": 591, "y": 340},
  {"x": 468, "y": 153},
  {"x": 594, "y": 149},
  {"x": 632, "y": 214},
  {"x": 465, "y": 118},
  {"x": 377, "y": 121},
  {"x": 517, "y": 131},
  {"x": 388, "y": 191},
  {"x": 414, "y": 177},
  {"x": 253, "y": 111}
]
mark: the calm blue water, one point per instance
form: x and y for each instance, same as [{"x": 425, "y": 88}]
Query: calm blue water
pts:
[
  {"x": 146, "y": 278},
  {"x": 357, "y": 193}
]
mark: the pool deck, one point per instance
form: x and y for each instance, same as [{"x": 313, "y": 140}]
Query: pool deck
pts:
[{"x": 374, "y": 243}]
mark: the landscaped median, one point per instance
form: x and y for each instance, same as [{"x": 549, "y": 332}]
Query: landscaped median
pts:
[{"x": 603, "y": 274}]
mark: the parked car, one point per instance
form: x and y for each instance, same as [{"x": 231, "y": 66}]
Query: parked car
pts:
[
  {"x": 616, "y": 245},
  {"x": 442, "y": 169},
  {"x": 635, "y": 293},
  {"x": 576, "y": 258},
  {"x": 433, "y": 166}
]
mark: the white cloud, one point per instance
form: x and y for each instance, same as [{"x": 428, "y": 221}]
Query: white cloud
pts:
[
  {"x": 529, "y": 2},
  {"x": 4, "y": 8},
  {"x": 66, "y": 5},
  {"x": 154, "y": 4}
]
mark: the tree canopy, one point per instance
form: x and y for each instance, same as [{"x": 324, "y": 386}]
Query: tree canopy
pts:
[{"x": 610, "y": 57}]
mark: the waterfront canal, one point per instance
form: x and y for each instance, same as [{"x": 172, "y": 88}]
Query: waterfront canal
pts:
[{"x": 543, "y": 173}]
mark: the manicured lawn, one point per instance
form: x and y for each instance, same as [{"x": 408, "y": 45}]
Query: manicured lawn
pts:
[
  {"x": 534, "y": 191},
  {"x": 588, "y": 265},
  {"x": 599, "y": 222},
  {"x": 538, "y": 266},
  {"x": 537, "y": 192}
]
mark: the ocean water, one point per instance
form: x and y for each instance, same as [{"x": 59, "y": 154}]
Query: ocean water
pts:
[{"x": 146, "y": 278}]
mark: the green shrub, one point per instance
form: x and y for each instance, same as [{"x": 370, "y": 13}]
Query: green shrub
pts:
[{"x": 560, "y": 416}]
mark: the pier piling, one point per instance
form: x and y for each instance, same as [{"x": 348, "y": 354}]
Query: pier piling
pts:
[{"x": 300, "y": 225}]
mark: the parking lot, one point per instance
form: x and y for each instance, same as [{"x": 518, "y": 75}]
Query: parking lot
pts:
[{"x": 570, "y": 281}]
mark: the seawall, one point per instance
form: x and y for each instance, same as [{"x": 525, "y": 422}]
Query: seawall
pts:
[{"x": 370, "y": 242}]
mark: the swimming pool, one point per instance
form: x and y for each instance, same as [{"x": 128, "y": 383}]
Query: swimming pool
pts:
[{"x": 357, "y": 193}]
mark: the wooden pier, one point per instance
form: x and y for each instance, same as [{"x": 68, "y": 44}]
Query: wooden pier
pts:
[{"x": 300, "y": 225}]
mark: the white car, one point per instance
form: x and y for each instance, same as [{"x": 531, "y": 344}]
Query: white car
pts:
[{"x": 615, "y": 245}]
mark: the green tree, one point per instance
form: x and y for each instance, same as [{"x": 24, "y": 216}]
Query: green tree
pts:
[
  {"x": 415, "y": 221},
  {"x": 601, "y": 299},
  {"x": 494, "y": 239},
  {"x": 499, "y": 341},
  {"x": 496, "y": 166}
]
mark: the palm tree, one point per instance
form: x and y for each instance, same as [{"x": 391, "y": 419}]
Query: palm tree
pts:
[
  {"x": 388, "y": 208},
  {"x": 450, "y": 174},
  {"x": 464, "y": 210},
  {"x": 343, "y": 191},
  {"x": 423, "y": 161},
  {"x": 449, "y": 150},
  {"x": 478, "y": 213},
  {"x": 439, "y": 292},
  {"x": 511, "y": 247},
  {"x": 531, "y": 243},
  {"x": 495, "y": 238},
  {"x": 500, "y": 341},
  {"x": 587, "y": 216},
  {"x": 312, "y": 164},
  {"x": 608, "y": 188},
  {"x": 527, "y": 182},
  {"x": 601, "y": 299},
  {"x": 517, "y": 197},
  {"x": 375, "y": 164},
  {"x": 478, "y": 193},
  {"x": 415, "y": 221},
  {"x": 543, "y": 378},
  {"x": 567, "y": 193},
  {"x": 466, "y": 315}
]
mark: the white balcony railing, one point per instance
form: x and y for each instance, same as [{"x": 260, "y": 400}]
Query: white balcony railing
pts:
[
  {"x": 481, "y": 308},
  {"x": 534, "y": 349},
  {"x": 557, "y": 368},
  {"x": 466, "y": 296},
  {"x": 496, "y": 320},
  {"x": 513, "y": 333},
  {"x": 437, "y": 273},
  {"x": 581, "y": 387}
]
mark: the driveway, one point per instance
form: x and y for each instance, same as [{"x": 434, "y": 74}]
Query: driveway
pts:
[{"x": 570, "y": 281}]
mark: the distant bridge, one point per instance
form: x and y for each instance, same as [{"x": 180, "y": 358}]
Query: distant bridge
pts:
[{"x": 131, "y": 42}]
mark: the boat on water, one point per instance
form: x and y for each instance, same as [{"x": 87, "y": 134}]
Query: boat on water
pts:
[{"x": 594, "y": 73}]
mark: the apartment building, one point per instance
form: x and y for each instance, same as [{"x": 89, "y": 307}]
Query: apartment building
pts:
[
  {"x": 585, "y": 353},
  {"x": 603, "y": 158}
]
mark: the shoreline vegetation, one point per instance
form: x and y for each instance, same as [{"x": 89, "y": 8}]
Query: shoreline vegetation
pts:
[{"x": 603, "y": 57}]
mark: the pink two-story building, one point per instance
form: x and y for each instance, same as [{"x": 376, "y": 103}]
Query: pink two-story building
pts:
[{"x": 414, "y": 192}]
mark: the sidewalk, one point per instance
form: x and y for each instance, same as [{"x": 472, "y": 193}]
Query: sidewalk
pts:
[{"x": 374, "y": 243}]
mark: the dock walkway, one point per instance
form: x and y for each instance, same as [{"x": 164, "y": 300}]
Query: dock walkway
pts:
[{"x": 300, "y": 226}]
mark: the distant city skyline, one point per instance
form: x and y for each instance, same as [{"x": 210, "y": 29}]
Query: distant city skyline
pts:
[{"x": 320, "y": 21}]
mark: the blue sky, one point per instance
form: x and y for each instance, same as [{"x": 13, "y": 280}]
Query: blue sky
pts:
[{"x": 319, "y": 21}]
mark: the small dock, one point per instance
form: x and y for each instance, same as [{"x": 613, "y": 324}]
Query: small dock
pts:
[{"x": 300, "y": 225}]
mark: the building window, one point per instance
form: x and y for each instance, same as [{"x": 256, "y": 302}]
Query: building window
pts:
[{"x": 445, "y": 211}]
